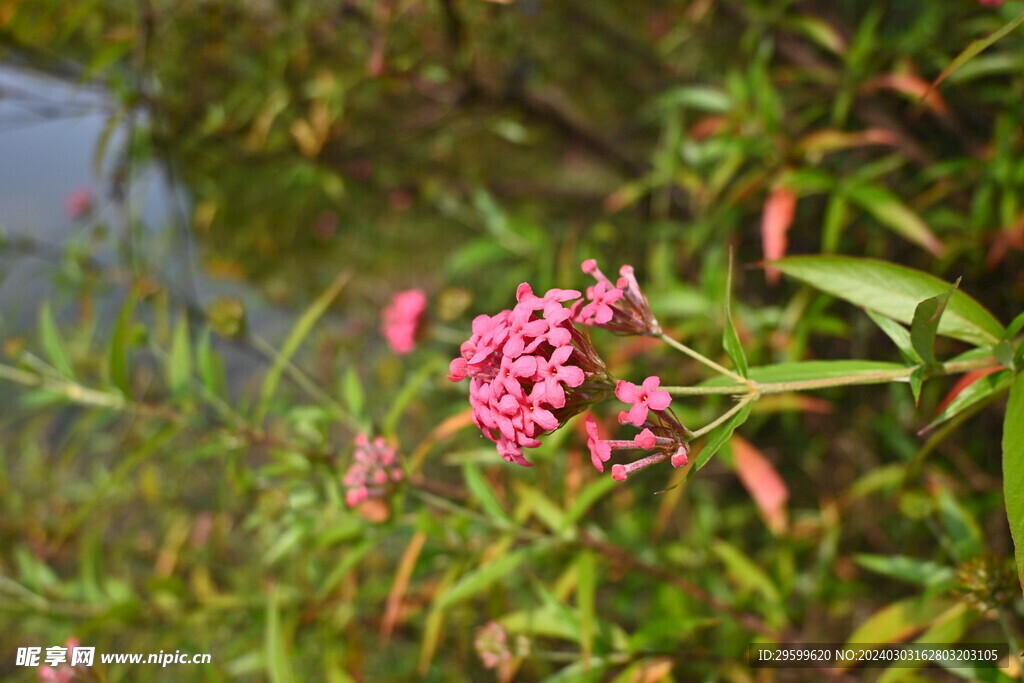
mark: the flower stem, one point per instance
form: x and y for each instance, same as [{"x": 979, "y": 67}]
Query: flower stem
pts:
[
  {"x": 756, "y": 389},
  {"x": 704, "y": 359},
  {"x": 724, "y": 416}
]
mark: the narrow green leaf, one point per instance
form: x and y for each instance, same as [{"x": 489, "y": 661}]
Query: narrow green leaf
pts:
[
  {"x": 179, "y": 364},
  {"x": 899, "y": 620},
  {"x": 806, "y": 371},
  {"x": 278, "y": 665},
  {"x": 730, "y": 339},
  {"x": 718, "y": 436},
  {"x": 591, "y": 493},
  {"x": 211, "y": 367},
  {"x": 983, "y": 388},
  {"x": 1013, "y": 469},
  {"x": 888, "y": 210},
  {"x": 52, "y": 343},
  {"x": 482, "y": 493},
  {"x": 352, "y": 390},
  {"x": 894, "y": 291},
  {"x": 406, "y": 394},
  {"x": 925, "y": 323},
  {"x": 899, "y": 335},
  {"x": 973, "y": 49},
  {"x": 963, "y": 532},
  {"x": 1003, "y": 353},
  {"x": 917, "y": 378},
  {"x": 480, "y": 579},
  {"x": 909, "y": 569},
  {"x": 117, "y": 360},
  {"x": 1014, "y": 327},
  {"x": 586, "y": 593},
  {"x": 303, "y": 326},
  {"x": 746, "y": 572}
]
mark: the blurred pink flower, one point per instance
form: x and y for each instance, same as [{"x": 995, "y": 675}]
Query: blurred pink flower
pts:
[
  {"x": 402, "y": 320},
  {"x": 991, "y": 3},
  {"x": 78, "y": 203},
  {"x": 375, "y": 466}
]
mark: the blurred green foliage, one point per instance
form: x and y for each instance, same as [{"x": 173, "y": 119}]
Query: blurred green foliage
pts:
[{"x": 171, "y": 480}]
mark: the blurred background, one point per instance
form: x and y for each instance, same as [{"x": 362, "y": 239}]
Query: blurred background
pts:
[{"x": 204, "y": 206}]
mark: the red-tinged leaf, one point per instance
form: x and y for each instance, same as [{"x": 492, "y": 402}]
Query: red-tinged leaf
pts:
[
  {"x": 914, "y": 87},
  {"x": 706, "y": 127},
  {"x": 824, "y": 141},
  {"x": 761, "y": 479},
  {"x": 779, "y": 209},
  {"x": 967, "y": 380}
]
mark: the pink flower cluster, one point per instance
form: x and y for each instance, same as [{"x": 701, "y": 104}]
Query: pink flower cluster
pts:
[
  {"x": 63, "y": 672},
  {"x": 375, "y": 466},
  {"x": 620, "y": 307},
  {"x": 402, "y": 319},
  {"x": 528, "y": 373},
  {"x": 991, "y": 3},
  {"x": 661, "y": 432}
]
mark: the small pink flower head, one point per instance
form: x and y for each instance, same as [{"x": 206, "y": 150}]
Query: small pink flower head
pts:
[
  {"x": 374, "y": 467},
  {"x": 530, "y": 370},
  {"x": 78, "y": 203},
  {"x": 402, "y": 320},
  {"x": 991, "y": 3},
  {"x": 600, "y": 450},
  {"x": 661, "y": 433},
  {"x": 620, "y": 307},
  {"x": 645, "y": 397},
  {"x": 491, "y": 644}
]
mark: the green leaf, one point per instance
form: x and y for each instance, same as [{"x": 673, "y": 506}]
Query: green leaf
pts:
[
  {"x": 179, "y": 364},
  {"x": 899, "y": 620},
  {"x": 917, "y": 378},
  {"x": 962, "y": 529},
  {"x": 1013, "y": 469},
  {"x": 278, "y": 665},
  {"x": 352, "y": 390},
  {"x": 482, "y": 493},
  {"x": 894, "y": 291},
  {"x": 117, "y": 359},
  {"x": 1014, "y": 327},
  {"x": 211, "y": 367},
  {"x": 975, "y": 48},
  {"x": 586, "y": 592},
  {"x": 888, "y": 210},
  {"x": 745, "y": 572},
  {"x": 400, "y": 401},
  {"x": 480, "y": 579},
  {"x": 983, "y": 388},
  {"x": 1003, "y": 353},
  {"x": 303, "y": 326},
  {"x": 899, "y": 335},
  {"x": 730, "y": 339},
  {"x": 718, "y": 436},
  {"x": 925, "y": 323},
  {"x": 806, "y": 371},
  {"x": 909, "y": 569},
  {"x": 52, "y": 343}
]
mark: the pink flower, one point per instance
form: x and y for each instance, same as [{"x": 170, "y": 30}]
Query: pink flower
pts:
[
  {"x": 991, "y": 3},
  {"x": 647, "y": 396},
  {"x": 620, "y": 307},
  {"x": 528, "y": 373},
  {"x": 78, "y": 203},
  {"x": 402, "y": 319},
  {"x": 600, "y": 450},
  {"x": 374, "y": 466}
]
